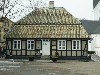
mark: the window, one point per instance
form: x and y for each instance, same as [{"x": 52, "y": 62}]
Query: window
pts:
[
  {"x": 17, "y": 44},
  {"x": 76, "y": 44},
  {"x": 30, "y": 45},
  {"x": 5, "y": 24},
  {"x": 61, "y": 44}
]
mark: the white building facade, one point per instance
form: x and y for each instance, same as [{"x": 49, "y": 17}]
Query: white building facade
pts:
[
  {"x": 97, "y": 11},
  {"x": 93, "y": 28},
  {"x": 94, "y": 44}
]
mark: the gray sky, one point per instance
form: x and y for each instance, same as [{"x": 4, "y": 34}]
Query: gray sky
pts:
[
  {"x": 82, "y": 9},
  {"x": 78, "y": 8}
]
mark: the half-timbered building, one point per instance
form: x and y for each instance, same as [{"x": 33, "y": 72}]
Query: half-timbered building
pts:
[{"x": 46, "y": 31}]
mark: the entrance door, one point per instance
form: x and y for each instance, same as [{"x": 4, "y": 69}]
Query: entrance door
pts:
[{"x": 45, "y": 47}]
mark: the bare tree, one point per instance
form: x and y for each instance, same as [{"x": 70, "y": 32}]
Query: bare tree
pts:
[
  {"x": 6, "y": 7},
  {"x": 26, "y": 6},
  {"x": 15, "y": 9}
]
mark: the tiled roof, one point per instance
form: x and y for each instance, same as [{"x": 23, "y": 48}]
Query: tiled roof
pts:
[
  {"x": 57, "y": 15},
  {"x": 48, "y": 23},
  {"x": 48, "y": 31},
  {"x": 95, "y": 2},
  {"x": 91, "y": 26},
  {"x": 97, "y": 31}
]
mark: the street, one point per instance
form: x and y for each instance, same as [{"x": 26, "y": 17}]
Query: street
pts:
[{"x": 47, "y": 67}]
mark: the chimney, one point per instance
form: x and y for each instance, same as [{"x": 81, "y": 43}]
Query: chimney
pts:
[{"x": 51, "y": 4}]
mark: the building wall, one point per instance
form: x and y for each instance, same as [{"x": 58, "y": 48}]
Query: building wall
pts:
[
  {"x": 95, "y": 43},
  {"x": 4, "y": 28},
  {"x": 97, "y": 12}
]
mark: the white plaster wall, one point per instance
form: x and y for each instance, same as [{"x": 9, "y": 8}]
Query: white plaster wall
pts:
[
  {"x": 95, "y": 43},
  {"x": 89, "y": 45},
  {"x": 97, "y": 12}
]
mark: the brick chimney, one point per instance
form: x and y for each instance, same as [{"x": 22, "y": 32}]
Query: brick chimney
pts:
[{"x": 51, "y": 4}]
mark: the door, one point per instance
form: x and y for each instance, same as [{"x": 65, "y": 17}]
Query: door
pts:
[{"x": 45, "y": 47}]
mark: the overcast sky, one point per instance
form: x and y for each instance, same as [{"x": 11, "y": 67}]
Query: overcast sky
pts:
[
  {"x": 82, "y": 9},
  {"x": 78, "y": 8}
]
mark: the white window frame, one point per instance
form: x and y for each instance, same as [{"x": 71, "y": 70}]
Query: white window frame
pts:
[
  {"x": 30, "y": 45},
  {"x": 61, "y": 47},
  {"x": 17, "y": 44},
  {"x": 76, "y": 46}
]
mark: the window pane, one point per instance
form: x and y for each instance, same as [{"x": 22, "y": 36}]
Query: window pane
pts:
[
  {"x": 28, "y": 46},
  {"x": 63, "y": 44},
  {"x": 63, "y": 47},
  {"x": 59, "y": 47},
  {"x": 15, "y": 46},
  {"x": 74, "y": 42},
  {"x": 77, "y": 47},
  {"x": 18, "y": 46},
  {"x": 74, "y": 47},
  {"x": 15, "y": 42},
  {"x": 77, "y": 43},
  {"x": 18, "y": 42},
  {"x": 32, "y": 41},
  {"x": 63, "y": 41},
  {"x": 28, "y": 41},
  {"x": 59, "y": 42},
  {"x": 32, "y": 46}
]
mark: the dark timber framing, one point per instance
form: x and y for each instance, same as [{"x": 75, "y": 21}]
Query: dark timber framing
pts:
[
  {"x": 49, "y": 24},
  {"x": 68, "y": 53}
]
